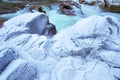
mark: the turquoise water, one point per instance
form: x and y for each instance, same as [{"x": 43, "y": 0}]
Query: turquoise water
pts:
[{"x": 62, "y": 21}]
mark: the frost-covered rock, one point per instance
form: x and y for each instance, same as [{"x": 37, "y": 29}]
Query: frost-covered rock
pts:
[
  {"x": 6, "y": 56},
  {"x": 84, "y": 36},
  {"x": 23, "y": 72},
  {"x": 28, "y": 23},
  {"x": 93, "y": 44},
  {"x": 32, "y": 44},
  {"x": 73, "y": 68}
]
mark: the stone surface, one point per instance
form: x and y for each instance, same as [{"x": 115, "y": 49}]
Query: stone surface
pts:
[
  {"x": 38, "y": 25},
  {"x": 66, "y": 9},
  {"x": 23, "y": 72},
  {"x": 50, "y": 30},
  {"x": 6, "y": 56}
]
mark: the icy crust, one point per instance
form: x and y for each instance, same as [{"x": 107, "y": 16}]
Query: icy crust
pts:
[{"x": 88, "y": 50}]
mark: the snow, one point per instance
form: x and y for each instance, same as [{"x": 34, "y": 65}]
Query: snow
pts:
[
  {"x": 112, "y": 58},
  {"x": 115, "y": 72},
  {"x": 66, "y": 56},
  {"x": 83, "y": 49},
  {"x": 20, "y": 21}
]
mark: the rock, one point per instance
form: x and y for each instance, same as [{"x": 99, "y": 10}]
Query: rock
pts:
[
  {"x": 38, "y": 25},
  {"x": 66, "y": 9},
  {"x": 88, "y": 2},
  {"x": 1, "y": 22},
  {"x": 34, "y": 23},
  {"x": 23, "y": 72},
  {"x": 111, "y": 6},
  {"x": 73, "y": 68},
  {"x": 84, "y": 35},
  {"x": 6, "y": 56},
  {"x": 50, "y": 30}
]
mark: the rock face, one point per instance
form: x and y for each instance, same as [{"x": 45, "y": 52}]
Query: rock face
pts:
[{"x": 88, "y": 50}]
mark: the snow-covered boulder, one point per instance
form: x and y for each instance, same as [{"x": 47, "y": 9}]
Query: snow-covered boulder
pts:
[
  {"x": 73, "y": 68},
  {"x": 23, "y": 72},
  {"x": 32, "y": 44},
  {"x": 28, "y": 23},
  {"x": 6, "y": 56},
  {"x": 94, "y": 46},
  {"x": 83, "y": 37}
]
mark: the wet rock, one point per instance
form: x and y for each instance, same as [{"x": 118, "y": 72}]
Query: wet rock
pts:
[
  {"x": 88, "y": 2},
  {"x": 6, "y": 56},
  {"x": 111, "y": 6},
  {"x": 2, "y": 22},
  {"x": 23, "y": 72},
  {"x": 66, "y": 9},
  {"x": 50, "y": 30}
]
